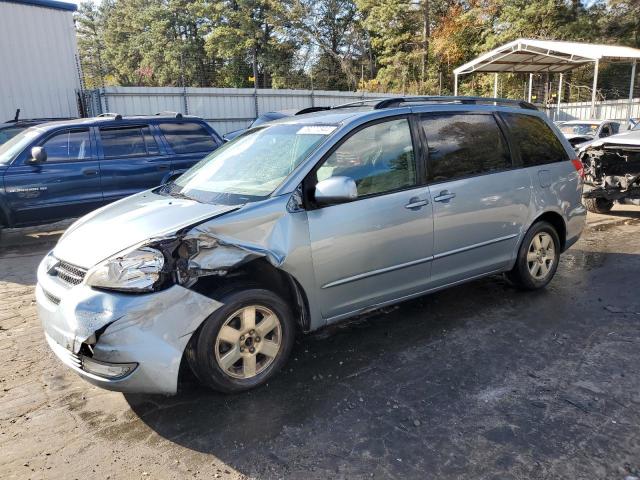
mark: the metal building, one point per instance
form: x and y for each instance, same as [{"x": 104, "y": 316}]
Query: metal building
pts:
[{"x": 38, "y": 59}]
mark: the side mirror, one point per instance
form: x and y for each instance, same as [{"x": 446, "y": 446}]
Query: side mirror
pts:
[
  {"x": 38, "y": 155},
  {"x": 336, "y": 190}
]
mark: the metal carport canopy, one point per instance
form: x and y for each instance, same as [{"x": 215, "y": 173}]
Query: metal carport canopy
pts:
[{"x": 547, "y": 56}]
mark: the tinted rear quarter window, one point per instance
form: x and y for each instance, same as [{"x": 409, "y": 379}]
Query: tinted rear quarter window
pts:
[
  {"x": 188, "y": 137},
  {"x": 461, "y": 145},
  {"x": 537, "y": 143}
]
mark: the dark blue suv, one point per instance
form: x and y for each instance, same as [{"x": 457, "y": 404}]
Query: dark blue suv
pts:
[{"x": 65, "y": 169}]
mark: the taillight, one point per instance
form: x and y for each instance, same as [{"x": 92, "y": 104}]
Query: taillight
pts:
[{"x": 578, "y": 166}]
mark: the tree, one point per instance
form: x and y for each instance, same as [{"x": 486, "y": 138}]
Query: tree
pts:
[
  {"x": 249, "y": 36},
  {"x": 333, "y": 30},
  {"x": 90, "y": 20}
]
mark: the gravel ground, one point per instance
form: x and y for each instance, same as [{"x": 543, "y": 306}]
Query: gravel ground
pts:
[{"x": 479, "y": 381}]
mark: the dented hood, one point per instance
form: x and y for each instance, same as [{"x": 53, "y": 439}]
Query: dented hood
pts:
[{"x": 123, "y": 224}]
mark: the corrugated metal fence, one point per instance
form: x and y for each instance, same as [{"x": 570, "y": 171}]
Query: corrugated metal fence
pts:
[
  {"x": 609, "y": 109},
  {"x": 226, "y": 109}
]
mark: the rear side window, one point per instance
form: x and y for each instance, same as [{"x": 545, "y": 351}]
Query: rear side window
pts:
[
  {"x": 69, "y": 145},
  {"x": 128, "y": 142},
  {"x": 537, "y": 143},
  {"x": 461, "y": 145},
  {"x": 188, "y": 137}
]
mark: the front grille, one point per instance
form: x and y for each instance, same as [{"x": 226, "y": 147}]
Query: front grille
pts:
[
  {"x": 70, "y": 274},
  {"x": 52, "y": 298}
]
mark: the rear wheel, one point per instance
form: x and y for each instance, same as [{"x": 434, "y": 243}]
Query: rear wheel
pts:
[
  {"x": 598, "y": 205},
  {"x": 538, "y": 258},
  {"x": 244, "y": 343}
]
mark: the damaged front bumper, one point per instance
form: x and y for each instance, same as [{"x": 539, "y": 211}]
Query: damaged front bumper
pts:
[{"x": 125, "y": 342}]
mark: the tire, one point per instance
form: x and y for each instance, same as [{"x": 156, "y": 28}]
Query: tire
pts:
[
  {"x": 207, "y": 353},
  {"x": 598, "y": 205},
  {"x": 524, "y": 274}
]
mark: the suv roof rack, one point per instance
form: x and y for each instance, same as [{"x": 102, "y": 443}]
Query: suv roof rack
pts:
[
  {"x": 169, "y": 113},
  {"x": 392, "y": 102},
  {"x": 397, "y": 101},
  {"x": 116, "y": 116}
]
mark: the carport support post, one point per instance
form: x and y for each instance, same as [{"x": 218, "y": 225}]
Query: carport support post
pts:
[
  {"x": 559, "y": 97},
  {"x": 455, "y": 84},
  {"x": 495, "y": 85},
  {"x": 530, "y": 87},
  {"x": 595, "y": 86},
  {"x": 633, "y": 80}
]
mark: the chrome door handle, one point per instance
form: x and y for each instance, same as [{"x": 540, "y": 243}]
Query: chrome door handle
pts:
[
  {"x": 89, "y": 172},
  {"x": 444, "y": 196},
  {"x": 415, "y": 203}
]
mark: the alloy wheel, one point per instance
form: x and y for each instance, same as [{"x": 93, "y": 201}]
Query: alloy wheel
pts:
[
  {"x": 541, "y": 255},
  {"x": 248, "y": 342}
]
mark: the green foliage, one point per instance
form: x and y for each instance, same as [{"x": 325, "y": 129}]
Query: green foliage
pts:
[{"x": 381, "y": 45}]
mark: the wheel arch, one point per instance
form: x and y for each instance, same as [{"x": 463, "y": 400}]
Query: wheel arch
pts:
[
  {"x": 557, "y": 221},
  {"x": 261, "y": 273}
]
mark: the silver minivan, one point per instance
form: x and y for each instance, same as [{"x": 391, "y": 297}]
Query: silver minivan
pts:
[{"x": 301, "y": 223}]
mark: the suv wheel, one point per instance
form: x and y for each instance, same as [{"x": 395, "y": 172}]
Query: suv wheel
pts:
[
  {"x": 244, "y": 343},
  {"x": 598, "y": 205},
  {"x": 538, "y": 258}
]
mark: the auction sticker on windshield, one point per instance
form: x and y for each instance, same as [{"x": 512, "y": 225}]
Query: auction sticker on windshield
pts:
[{"x": 316, "y": 130}]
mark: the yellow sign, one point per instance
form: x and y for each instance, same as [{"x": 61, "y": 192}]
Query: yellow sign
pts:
[{"x": 252, "y": 79}]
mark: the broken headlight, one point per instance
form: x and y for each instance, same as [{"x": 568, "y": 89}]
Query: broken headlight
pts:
[{"x": 135, "y": 271}]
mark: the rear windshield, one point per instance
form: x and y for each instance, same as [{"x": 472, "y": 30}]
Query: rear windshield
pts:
[{"x": 251, "y": 166}]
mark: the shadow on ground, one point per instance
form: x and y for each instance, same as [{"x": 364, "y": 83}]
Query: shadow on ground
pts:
[
  {"x": 480, "y": 381},
  {"x": 26, "y": 245}
]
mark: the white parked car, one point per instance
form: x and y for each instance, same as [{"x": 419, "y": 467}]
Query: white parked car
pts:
[{"x": 580, "y": 132}]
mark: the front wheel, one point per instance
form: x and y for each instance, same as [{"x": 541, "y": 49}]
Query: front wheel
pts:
[
  {"x": 538, "y": 258},
  {"x": 244, "y": 343}
]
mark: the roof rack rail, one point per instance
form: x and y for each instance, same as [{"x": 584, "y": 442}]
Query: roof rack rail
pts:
[
  {"x": 311, "y": 110},
  {"x": 116, "y": 116},
  {"x": 397, "y": 101},
  {"x": 168, "y": 113},
  {"x": 342, "y": 105},
  {"x": 361, "y": 103}
]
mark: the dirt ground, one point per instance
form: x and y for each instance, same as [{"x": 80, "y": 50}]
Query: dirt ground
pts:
[{"x": 477, "y": 382}]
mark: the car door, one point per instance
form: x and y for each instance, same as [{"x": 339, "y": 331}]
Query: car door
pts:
[
  {"x": 189, "y": 142},
  {"x": 66, "y": 185},
  {"x": 378, "y": 247},
  {"x": 131, "y": 160},
  {"x": 480, "y": 202}
]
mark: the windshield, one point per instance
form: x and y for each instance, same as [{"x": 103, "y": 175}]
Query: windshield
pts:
[
  {"x": 15, "y": 145},
  {"x": 9, "y": 132},
  {"x": 579, "y": 128},
  {"x": 252, "y": 166}
]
